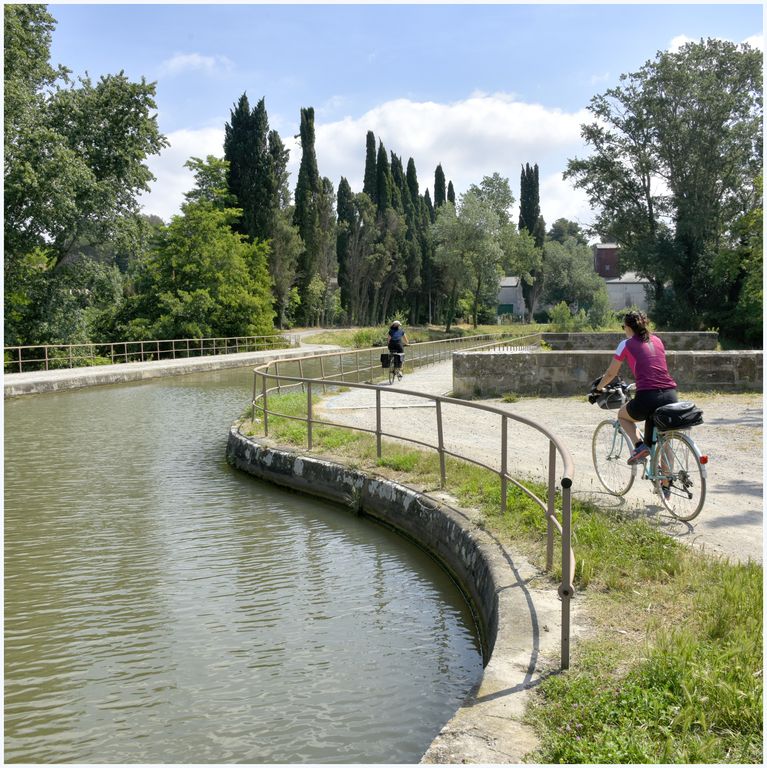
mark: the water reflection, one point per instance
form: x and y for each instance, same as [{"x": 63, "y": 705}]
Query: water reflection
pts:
[{"x": 161, "y": 607}]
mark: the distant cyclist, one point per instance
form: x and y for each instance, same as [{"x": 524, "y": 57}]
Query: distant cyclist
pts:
[
  {"x": 396, "y": 338},
  {"x": 646, "y": 357}
]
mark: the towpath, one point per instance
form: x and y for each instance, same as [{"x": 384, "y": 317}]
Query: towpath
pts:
[{"x": 731, "y": 522}]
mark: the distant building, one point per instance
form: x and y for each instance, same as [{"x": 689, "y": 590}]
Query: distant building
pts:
[
  {"x": 606, "y": 262},
  {"x": 628, "y": 290},
  {"x": 510, "y": 298}
]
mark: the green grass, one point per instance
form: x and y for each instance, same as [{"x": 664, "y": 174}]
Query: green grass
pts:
[{"x": 672, "y": 669}]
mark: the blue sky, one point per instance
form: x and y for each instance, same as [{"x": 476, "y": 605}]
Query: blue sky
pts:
[{"x": 478, "y": 88}]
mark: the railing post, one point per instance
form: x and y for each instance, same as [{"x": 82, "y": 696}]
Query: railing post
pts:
[
  {"x": 504, "y": 465},
  {"x": 309, "y": 414},
  {"x": 378, "y": 423},
  {"x": 551, "y": 510},
  {"x": 301, "y": 374},
  {"x": 263, "y": 393},
  {"x": 46, "y": 358},
  {"x": 341, "y": 363},
  {"x": 440, "y": 445},
  {"x": 357, "y": 364},
  {"x": 253, "y": 407},
  {"x": 142, "y": 351},
  {"x": 566, "y": 589},
  {"x": 322, "y": 373}
]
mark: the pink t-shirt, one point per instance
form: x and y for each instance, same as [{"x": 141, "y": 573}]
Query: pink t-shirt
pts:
[{"x": 647, "y": 361}]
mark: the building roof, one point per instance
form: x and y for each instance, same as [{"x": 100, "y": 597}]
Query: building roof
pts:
[
  {"x": 627, "y": 277},
  {"x": 509, "y": 282},
  {"x": 606, "y": 245}
]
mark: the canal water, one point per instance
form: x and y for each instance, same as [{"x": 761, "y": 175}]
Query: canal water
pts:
[{"x": 161, "y": 607}]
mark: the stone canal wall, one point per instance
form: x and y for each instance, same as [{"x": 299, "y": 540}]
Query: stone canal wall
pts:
[
  {"x": 493, "y": 374},
  {"x": 510, "y": 613}
]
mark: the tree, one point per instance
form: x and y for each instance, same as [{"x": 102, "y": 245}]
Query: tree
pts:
[
  {"x": 570, "y": 275},
  {"x": 561, "y": 229},
  {"x": 439, "y": 187},
  {"x": 529, "y": 199},
  {"x": 75, "y": 155},
  {"x": 675, "y": 150},
  {"x": 257, "y": 167},
  {"x": 530, "y": 221},
  {"x": 210, "y": 177},
  {"x": 370, "y": 184},
  {"x": 285, "y": 248},
  {"x": 306, "y": 217},
  {"x": 496, "y": 191},
  {"x": 521, "y": 257},
  {"x": 450, "y": 193}
]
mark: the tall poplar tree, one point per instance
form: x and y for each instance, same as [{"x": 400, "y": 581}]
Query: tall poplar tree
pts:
[
  {"x": 383, "y": 180},
  {"x": 529, "y": 200},
  {"x": 450, "y": 193}
]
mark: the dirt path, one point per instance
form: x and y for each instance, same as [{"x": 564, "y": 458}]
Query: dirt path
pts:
[{"x": 732, "y": 436}]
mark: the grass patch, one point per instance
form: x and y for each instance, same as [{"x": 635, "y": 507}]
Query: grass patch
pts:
[{"x": 672, "y": 670}]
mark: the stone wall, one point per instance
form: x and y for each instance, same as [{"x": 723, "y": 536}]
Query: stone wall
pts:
[
  {"x": 493, "y": 374},
  {"x": 674, "y": 340}
]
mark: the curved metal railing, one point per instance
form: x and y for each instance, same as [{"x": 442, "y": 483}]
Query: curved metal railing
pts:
[{"x": 269, "y": 379}]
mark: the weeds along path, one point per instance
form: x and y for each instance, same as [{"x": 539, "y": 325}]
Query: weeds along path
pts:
[{"x": 731, "y": 522}]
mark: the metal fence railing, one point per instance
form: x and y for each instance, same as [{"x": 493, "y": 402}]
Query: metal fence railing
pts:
[
  {"x": 45, "y": 357},
  {"x": 356, "y": 370}
]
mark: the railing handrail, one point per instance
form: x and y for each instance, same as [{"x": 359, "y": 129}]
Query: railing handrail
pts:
[{"x": 566, "y": 589}]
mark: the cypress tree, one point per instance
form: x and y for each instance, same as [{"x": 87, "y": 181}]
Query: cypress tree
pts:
[
  {"x": 412, "y": 180},
  {"x": 450, "y": 193},
  {"x": 439, "y": 187},
  {"x": 345, "y": 214},
  {"x": 370, "y": 185},
  {"x": 529, "y": 200},
  {"x": 251, "y": 177},
  {"x": 430, "y": 206},
  {"x": 307, "y": 205},
  {"x": 383, "y": 180}
]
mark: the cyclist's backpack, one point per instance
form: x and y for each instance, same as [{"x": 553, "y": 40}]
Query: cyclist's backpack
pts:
[
  {"x": 384, "y": 360},
  {"x": 682, "y": 415}
]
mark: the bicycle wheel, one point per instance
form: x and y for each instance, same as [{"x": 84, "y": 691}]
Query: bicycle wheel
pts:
[
  {"x": 610, "y": 448},
  {"x": 392, "y": 372},
  {"x": 676, "y": 464}
]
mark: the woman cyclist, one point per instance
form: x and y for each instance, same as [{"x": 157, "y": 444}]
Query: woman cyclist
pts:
[
  {"x": 646, "y": 357},
  {"x": 395, "y": 340}
]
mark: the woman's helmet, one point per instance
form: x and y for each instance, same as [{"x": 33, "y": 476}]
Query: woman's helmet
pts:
[{"x": 396, "y": 324}]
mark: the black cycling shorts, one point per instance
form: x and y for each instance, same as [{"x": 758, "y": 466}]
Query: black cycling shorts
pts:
[{"x": 644, "y": 405}]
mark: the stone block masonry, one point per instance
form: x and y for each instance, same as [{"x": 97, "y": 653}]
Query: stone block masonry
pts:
[
  {"x": 560, "y": 374},
  {"x": 681, "y": 341}
]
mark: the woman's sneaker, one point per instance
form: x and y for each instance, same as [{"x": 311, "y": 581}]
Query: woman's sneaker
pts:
[{"x": 639, "y": 453}]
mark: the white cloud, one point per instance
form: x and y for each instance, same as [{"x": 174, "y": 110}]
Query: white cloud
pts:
[
  {"x": 678, "y": 42},
  {"x": 471, "y": 138},
  {"x": 180, "y": 63},
  {"x": 755, "y": 41},
  {"x": 173, "y": 180}
]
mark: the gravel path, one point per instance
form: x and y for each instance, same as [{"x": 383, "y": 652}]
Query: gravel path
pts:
[{"x": 730, "y": 522}]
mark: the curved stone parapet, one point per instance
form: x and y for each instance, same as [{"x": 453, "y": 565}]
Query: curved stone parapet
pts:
[{"x": 513, "y": 618}]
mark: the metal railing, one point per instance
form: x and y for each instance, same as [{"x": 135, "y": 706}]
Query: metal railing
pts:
[
  {"x": 268, "y": 379},
  {"x": 49, "y": 356}
]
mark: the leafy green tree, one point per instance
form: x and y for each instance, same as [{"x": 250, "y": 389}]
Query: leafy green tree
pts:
[
  {"x": 561, "y": 229},
  {"x": 497, "y": 192},
  {"x": 521, "y": 257},
  {"x": 206, "y": 280},
  {"x": 74, "y": 166},
  {"x": 210, "y": 176},
  {"x": 675, "y": 150},
  {"x": 570, "y": 275},
  {"x": 285, "y": 248}
]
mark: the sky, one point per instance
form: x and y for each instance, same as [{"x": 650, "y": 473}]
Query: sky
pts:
[{"x": 478, "y": 88}]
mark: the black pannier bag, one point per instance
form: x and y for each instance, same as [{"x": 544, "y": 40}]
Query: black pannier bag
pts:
[
  {"x": 682, "y": 415},
  {"x": 385, "y": 360}
]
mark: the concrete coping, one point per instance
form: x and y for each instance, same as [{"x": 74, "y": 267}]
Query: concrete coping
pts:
[{"x": 517, "y": 619}]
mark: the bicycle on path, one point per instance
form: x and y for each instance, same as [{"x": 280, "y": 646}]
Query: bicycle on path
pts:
[
  {"x": 675, "y": 466},
  {"x": 394, "y": 362}
]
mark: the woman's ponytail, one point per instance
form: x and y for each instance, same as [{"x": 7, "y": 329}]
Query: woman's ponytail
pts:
[{"x": 637, "y": 321}]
